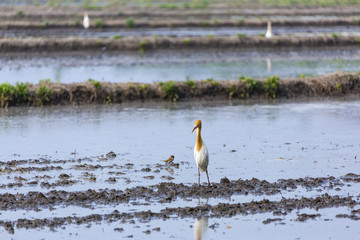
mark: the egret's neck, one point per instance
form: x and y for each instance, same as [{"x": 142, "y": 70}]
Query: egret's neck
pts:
[
  {"x": 269, "y": 27},
  {"x": 199, "y": 142}
]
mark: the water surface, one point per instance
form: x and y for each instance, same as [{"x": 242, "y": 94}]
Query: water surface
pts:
[{"x": 157, "y": 66}]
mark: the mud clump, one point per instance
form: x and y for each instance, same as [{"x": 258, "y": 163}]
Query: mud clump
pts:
[
  {"x": 303, "y": 217},
  {"x": 162, "y": 192},
  {"x": 111, "y": 155},
  {"x": 270, "y": 220}
]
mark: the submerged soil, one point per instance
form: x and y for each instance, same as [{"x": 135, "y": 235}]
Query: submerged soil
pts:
[{"x": 48, "y": 93}]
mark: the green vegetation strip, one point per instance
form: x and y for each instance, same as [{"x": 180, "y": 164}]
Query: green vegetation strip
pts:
[{"x": 47, "y": 92}]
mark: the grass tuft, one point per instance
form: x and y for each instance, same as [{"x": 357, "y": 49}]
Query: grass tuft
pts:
[
  {"x": 190, "y": 83},
  {"x": 271, "y": 86},
  {"x": 171, "y": 90},
  {"x": 96, "y": 83},
  {"x": 130, "y": 22}
]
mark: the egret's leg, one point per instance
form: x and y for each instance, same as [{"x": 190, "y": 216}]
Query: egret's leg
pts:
[
  {"x": 199, "y": 175},
  {"x": 207, "y": 176}
]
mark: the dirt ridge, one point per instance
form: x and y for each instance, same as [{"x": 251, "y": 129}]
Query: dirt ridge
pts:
[{"x": 50, "y": 93}]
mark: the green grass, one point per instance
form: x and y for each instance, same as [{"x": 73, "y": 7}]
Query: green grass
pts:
[
  {"x": 186, "y": 40},
  {"x": 143, "y": 88},
  {"x": 209, "y": 36},
  {"x": 171, "y": 90},
  {"x": 20, "y": 13},
  {"x": 232, "y": 91},
  {"x": 116, "y": 37},
  {"x": 7, "y": 92},
  {"x": 45, "y": 81},
  {"x": 168, "y": 5},
  {"x": 47, "y": 24},
  {"x": 190, "y": 83},
  {"x": 76, "y": 23},
  {"x": 334, "y": 35},
  {"x": 240, "y": 35},
  {"x": 130, "y": 22},
  {"x": 241, "y": 21},
  {"x": 205, "y": 24},
  {"x": 212, "y": 81},
  {"x": 22, "y": 92},
  {"x": 199, "y": 3},
  {"x": 44, "y": 94},
  {"x": 185, "y": 5},
  {"x": 339, "y": 87},
  {"x": 250, "y": 83},
  {"x": 99, "y": 23},
  {"x": 271, "y": 86},
  {"x": 99, "y": 42},
  {"x": 108, "y": 99},
  {"x": 96, "y": 83},
  {"x": 261, "y": 35},
  {"x": 142, "y": 47},
  {"x": 16, "y": 94}
]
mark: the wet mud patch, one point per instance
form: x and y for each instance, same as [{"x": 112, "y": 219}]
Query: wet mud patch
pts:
[
  {"x": 215, "y": 211},
  {"x": 162, "y": 192}
]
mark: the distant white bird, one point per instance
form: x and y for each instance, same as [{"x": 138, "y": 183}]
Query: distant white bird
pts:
[
  {"x": 201, "y": 154},
  {"x": 86, "y": 21},
  {"x": 268, "y": 32}
]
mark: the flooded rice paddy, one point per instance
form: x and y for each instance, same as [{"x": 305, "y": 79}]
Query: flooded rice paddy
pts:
[
  {"x": 170, "y": 65},
  {"x": 55, "y": 156},
  {"x": 179, "y": 32}
]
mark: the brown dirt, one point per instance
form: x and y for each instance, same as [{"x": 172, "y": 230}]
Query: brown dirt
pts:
[
  {"x": 284, "y": 206},
  {"x": 330, "y": 85},
  {"x": 184, "y": 23},
  {"x": 167, "y": 192},
  {"x": 142, "y": 44},
  {"x": 48, "y": 13}
]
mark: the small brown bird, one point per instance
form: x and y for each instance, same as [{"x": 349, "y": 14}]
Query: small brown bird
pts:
[{"x": 170, "y": 159}]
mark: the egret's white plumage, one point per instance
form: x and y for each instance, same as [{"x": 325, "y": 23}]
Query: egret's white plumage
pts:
[
  {"x": 86, "y": 21},
  {"x": 201, "y": 154},
  {"x": 268, "y": 32}
]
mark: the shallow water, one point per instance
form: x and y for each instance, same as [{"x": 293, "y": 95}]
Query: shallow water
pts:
[
  {"x": 157, "y": 66},
  {"x": 268, "y": 141},
  {"x": 294, "y": 140},
  {"x": 179, "y": 32}
]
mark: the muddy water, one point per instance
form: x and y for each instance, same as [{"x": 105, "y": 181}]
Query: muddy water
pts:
[
  {"x": 168, "y": 65},
  {"x": 267, "y": 141}
]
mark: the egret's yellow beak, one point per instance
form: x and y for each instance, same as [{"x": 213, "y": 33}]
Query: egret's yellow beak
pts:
[{"x": 195, "y": 128}]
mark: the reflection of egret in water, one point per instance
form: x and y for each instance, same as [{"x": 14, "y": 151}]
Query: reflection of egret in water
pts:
[
  {"x": 200, "y": 226},
  {"x": 268, "y": 64}
]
